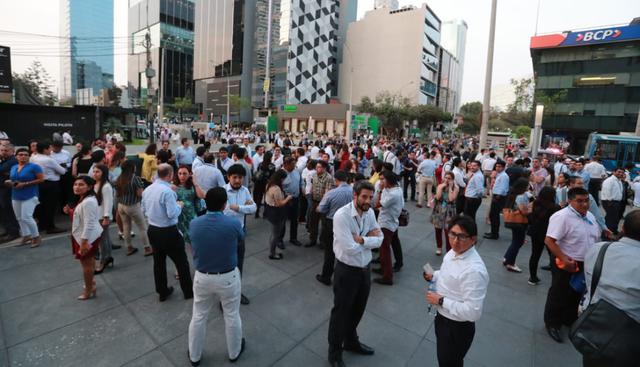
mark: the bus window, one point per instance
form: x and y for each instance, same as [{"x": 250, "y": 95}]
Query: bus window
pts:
[
  {"x": 606, "y": 149},
  {"x": 637, "y": 153}
]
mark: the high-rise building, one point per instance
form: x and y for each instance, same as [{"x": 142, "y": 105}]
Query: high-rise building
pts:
[
  {"x": 86, "y": 30},
  {"x": 389, "y": 4},
  {"x": 454, "y": 40},
  {"x": 170, "y": 24},
  {"x": 592, "y": 79},
  {"x": 394, "y": 51},
  {"x": 224, "y": 57},
  {"x": 449, "y": 74}
]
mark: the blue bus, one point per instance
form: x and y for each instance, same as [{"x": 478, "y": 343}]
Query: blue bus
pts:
[{"x": 615, "y": 151}]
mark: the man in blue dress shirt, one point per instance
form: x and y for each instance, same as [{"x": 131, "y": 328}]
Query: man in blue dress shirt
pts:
[
  {"x": 291, "y": 186},
  {"x": 214, "y": 239},
  {"x": 161, "y": 207},
  {"x": 333, "y": 200},
  {"x": 239, "y": 204},
  {"x": 498, "y": 198},
  {"x": 185, "y": 154},
  {"x": 474, "y": 191}
]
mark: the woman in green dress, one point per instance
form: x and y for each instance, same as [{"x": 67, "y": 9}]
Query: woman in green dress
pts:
[{"x": 186, "y": 191}]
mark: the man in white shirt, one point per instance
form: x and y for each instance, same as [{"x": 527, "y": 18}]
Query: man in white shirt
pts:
[
  {"x": 315, "y": 151},
  {"x": 458, "y": 176},
  {"x": 301, "y": 159},
  {"x": 258, "y": 157},
  {"x": 390, "y": 157},
  {"x": 487, "y": 167},
  {"x": 207, "y": 176},
  {"x": 571, "y": 232},
  {"x": 460, "y": 288},
  {"x": 612, "y": 196},
  {"x": 355, "y": 233},
  {"x": 635, "y": 186},
  {"x": 597, "y": 173},
  {"x": 49, "y": 190},
  {"x": 474, "y": 191}
]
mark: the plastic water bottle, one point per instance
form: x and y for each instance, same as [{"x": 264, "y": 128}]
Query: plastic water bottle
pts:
[{"x": 432, "y": 309}]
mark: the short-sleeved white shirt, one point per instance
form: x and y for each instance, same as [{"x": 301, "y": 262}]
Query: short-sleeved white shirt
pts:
[{"x": 573, "y": 233}]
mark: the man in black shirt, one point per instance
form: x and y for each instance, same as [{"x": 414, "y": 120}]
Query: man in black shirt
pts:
[{"x": 515, "y": 172}]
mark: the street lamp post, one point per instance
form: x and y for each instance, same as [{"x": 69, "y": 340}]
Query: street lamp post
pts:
[
  {"x": 349, "y": 131},
  {"x": 484, "y": 126}
]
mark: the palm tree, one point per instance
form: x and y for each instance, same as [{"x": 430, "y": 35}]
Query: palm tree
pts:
[{"x": 182, "y": 104}]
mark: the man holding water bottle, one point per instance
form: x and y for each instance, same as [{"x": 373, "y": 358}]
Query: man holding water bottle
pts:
[{"x": 457, "y": 292}]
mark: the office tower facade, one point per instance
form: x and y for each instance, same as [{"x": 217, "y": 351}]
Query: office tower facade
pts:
[
  {"x": 449, "y": 74},
  {"x": 86, "y": 30},
  {"x": 170, "y": 24},
  {"x": 223, "y": 57},
  {"x": 454, "y": 40},
  {"x": 375, "y": 61}
]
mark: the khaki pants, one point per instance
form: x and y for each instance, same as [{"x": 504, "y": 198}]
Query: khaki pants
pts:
[
  {"x": 129, "y": 213},
  {"x": 425, "y": 183}
]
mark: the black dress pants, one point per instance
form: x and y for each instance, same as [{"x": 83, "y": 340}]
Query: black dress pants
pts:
[
  {"x": 291, "y": 216},
  {"x": 612, "y": 214},
  {"x": 497, "y": 204},
  {"x": 314, "y": 223},
  {"x": 326, "y": 237},
  {"x": 471, "y": 206},
  {"x": 460, "y": 202},
  {"x": 453, "y": 340},
  {"x": 351, "y": 287},
  {"x": 410, "y": 180},
  {"x": 49, "y": 195},
  {"x": 562, "y": 301},
  {"x": 595, "y": 184},
  {"x": 167, "y": 241}
]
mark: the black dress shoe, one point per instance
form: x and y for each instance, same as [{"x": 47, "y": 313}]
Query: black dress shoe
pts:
[
  {"x": 554, "y": 333},
  {"x": 383, "y": 281},
  {"x": 116, "y": 247},
  {"x": 195, "y": 364},
  {"x": 164, "y": 297},
  {"x": 233, "y": 360},
  {"x": 310, "y": 244},
  {"x": 491, "y": 236},
  {"x": 397, "y": 268},
  {"x": 244, "y": 300},
  {"x": 322, "y": 280},
  {"x": 295, "y": 243},
  {"x": 188, "y": 296},
  {"x": 337, "y": 363},
  {"x": 360, "y": 348},
  {"x": 546, "y": 267},
  {"x": 377, "y": 270}
]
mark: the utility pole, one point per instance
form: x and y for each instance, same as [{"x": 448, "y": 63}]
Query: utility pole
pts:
[
  {"x": 229, "y": 91},
  {"x": 486, "y": 103},
  {"x": 149, "y": 73},
  {"x": 638, "y": 124},
  {"x": 267, "y": 61},
  {"x": 162, "y": 85}
]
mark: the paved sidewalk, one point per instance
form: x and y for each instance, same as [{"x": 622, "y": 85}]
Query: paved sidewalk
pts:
[{"x": 42, "y": 323}]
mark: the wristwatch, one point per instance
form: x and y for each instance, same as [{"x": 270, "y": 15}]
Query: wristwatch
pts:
[{"x": 441, "y": 301}]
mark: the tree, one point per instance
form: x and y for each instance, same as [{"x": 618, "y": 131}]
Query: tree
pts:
[
  {"x": 114, "y": 95},
  {"x": 111, "y": 125},
  {"x": 182, "y": 103},
  {"x": 523, "y": 90},
  {"x": 238, "y": 103},
  {"x": 472, "y": 115},
  {"x": 428, "y": 115},
  {"x": 36, "y": 82},
  {"x": 550, "y": 100},
  {"x": 522, "y": 132}
]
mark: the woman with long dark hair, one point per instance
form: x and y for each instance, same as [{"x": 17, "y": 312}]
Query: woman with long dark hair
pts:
[
  {"x": 264, "y": 171},
  {"x": 85, "y": 230},
  {"x": 517, "y": 199},
  {"x": 444, "y": 209},
  {"x": 104, "y": 194},
  {"x": 275, "y": 201},
  {"x": 129, "y": 189},
  {"x": 82, "y": 162},
  {"x": 543, "y": 208},
  {"x": 186, "y": 192}
]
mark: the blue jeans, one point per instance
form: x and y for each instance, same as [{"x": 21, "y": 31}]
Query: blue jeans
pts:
[{"x": 517, "y": 240}]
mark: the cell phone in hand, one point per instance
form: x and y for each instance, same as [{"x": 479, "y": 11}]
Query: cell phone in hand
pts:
[{"x": 428, "y": 269}]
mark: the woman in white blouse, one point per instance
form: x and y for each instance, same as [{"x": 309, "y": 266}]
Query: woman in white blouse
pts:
[
  {"x": 85, "y": 231},
  {"x": 104, "y": 195}
]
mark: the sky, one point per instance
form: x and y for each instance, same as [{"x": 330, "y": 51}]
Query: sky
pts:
[{"x": 516, "y": 23}]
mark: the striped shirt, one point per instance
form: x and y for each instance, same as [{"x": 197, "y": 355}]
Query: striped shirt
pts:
[{"x": 129, "y": 195}]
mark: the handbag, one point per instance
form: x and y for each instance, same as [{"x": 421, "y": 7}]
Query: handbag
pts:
[
  {"x": 603, "y": 332},
  {"x": 403, "y": 219},
  {"x": 514, "y": 219}
]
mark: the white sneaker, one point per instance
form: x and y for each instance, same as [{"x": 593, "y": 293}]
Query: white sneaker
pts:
[
  {"x": 514, "y": 268},
  {"x": 438, "y": 252}
]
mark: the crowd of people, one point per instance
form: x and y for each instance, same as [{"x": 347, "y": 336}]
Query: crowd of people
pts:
[{"x": 350, "y": 197}]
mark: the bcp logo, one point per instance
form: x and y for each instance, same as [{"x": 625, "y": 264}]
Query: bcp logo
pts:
[{"x": 598, "y": 35}]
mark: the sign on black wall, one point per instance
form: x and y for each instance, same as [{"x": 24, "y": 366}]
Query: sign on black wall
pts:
[{"x": 6, "y": 85}]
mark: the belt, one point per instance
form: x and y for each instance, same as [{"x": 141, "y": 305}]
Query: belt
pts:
[
  {"x": 351, "y": 267},
  {"x": 218, "y": 273}
]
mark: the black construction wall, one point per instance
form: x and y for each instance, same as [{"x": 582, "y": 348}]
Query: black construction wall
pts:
[{"x": 27, "y": 122}]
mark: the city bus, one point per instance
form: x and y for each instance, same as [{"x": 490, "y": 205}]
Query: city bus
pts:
[{"x": 615, "y": 150}]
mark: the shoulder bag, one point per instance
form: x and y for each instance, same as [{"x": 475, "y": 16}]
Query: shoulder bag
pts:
[
  {"x": 403, "y": 220},
  {"x": 514, "y": 219},
  {"x": 603, "y": 332}
]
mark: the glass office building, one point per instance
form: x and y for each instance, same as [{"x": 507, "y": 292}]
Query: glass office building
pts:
[
  {"x": 87, "y": 44},
  {"x": 171, "y": 24},
  {"x": 591, "y": 79}
]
